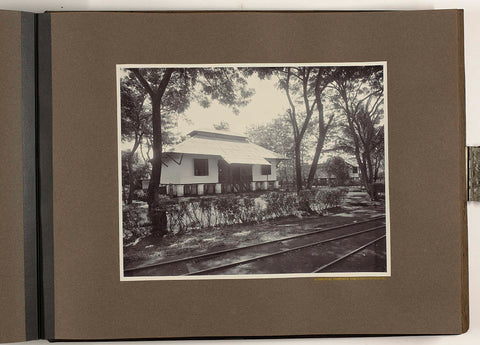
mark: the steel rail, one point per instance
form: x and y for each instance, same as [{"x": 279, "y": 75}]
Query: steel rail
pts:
[
  {"x": 205, "y": 255},
  {"x": 233, "y": 264},
  {"x": 321, "y": 268}
]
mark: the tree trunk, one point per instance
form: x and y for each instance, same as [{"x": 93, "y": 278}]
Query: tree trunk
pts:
[
  {"x": 364, "y": 177},
  {"x": 313, "y": 168},
  {"x": 322, "y": 133},
  {"x": 362, "y": 165},
  {"x": 153, "y": 186},
  {"x": 298, "y": 166},
  {"x": 131, "y": 180},
  {"x": 367, "y": 182},
  {"x": 368, "y": 162},
  {"x": 377, "y": 167},
  {"x": 372, "y": 191},
  {"x": 157, "y": 213}
]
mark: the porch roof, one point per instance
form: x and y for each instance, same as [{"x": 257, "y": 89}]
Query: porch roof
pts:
[
  {"x": 232, "y": 151},
  {"x": 244, "y": 159}
]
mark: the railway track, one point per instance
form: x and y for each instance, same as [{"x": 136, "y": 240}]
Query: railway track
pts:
[
  {"x": 349, "y": 254},
  {"x": 257, "y": 258},
  {"x": 372, "y": 254}
]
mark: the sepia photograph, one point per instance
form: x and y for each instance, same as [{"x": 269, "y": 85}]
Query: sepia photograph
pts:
[
  {"x": 253, "y": 171},
  {"x": 474, "y": 173}
]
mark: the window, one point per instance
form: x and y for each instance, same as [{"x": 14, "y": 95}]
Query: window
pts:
[
  {"x": 354, "y": 170},
  {"x": 200, "y": 167},
  {"x": 266, "y": 170}
]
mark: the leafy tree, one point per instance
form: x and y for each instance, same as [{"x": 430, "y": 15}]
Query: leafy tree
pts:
[
  {"x": 136, "y": 124},
  {"x": 378, "y": 152},
  {"x": 135, "y": 120},
  {"x": 172, "y": 89},
  {"x": 337, "y": 167},
  {"x": 222, "y": 126},
  {"x": 276, "y": 136},
  {"x": 321, "y": 81},
  {"x": 359, "y": 94},
  {"x": 133, "y": 170},
  {"x": 474, "y": 173},
  {"x": 303, "y": 88},
  {"x": 295, "y": 82}
]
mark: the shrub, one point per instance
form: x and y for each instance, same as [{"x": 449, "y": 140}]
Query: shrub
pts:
[
  {"x": 205, "y": 212},
  {"x": 226, "y": 208},
  {"x": 140, "y": 195},
  {"x": 337, "y": 167},
  {"x": 134, "y": 224},
  {"x": 328, "y": 198},
  {"x": 378, "y": 187},
  {"x": 280, "y": 204},
  {"x": 316, "y": 201},
  {"x": 307, "y": 201}
]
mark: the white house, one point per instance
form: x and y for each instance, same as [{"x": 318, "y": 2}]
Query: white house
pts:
[
  {"x": 324, "y": 178},
  {"x": 212, "y": 161}
]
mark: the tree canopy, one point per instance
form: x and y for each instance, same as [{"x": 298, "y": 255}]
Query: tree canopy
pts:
[
  {"x": 359, "y": 95},
  {"x": 338, "y": 168},
  {"x": 329, "y": 108}
]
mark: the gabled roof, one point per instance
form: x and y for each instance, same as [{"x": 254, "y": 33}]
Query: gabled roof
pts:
[
  {"x": 218, "y": 134},
  {"x": 232, "y": 147},
  {"x": 350, "y": 160}
]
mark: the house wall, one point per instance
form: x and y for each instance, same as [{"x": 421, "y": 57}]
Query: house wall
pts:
[
  {"x": 352, "y": 174},
  {"x": 321, "y": 173},
  {"x": 183, "y": 173},
  {"x": 257, "y": 172}
]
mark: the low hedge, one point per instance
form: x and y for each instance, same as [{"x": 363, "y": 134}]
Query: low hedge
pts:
[{"x": 206, "y": 212}]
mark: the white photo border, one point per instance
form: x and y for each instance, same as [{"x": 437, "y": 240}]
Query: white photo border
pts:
[{"x": 316, "y": 276}]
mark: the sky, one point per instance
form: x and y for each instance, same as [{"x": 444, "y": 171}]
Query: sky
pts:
[{"x": 267, "y": 103}]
